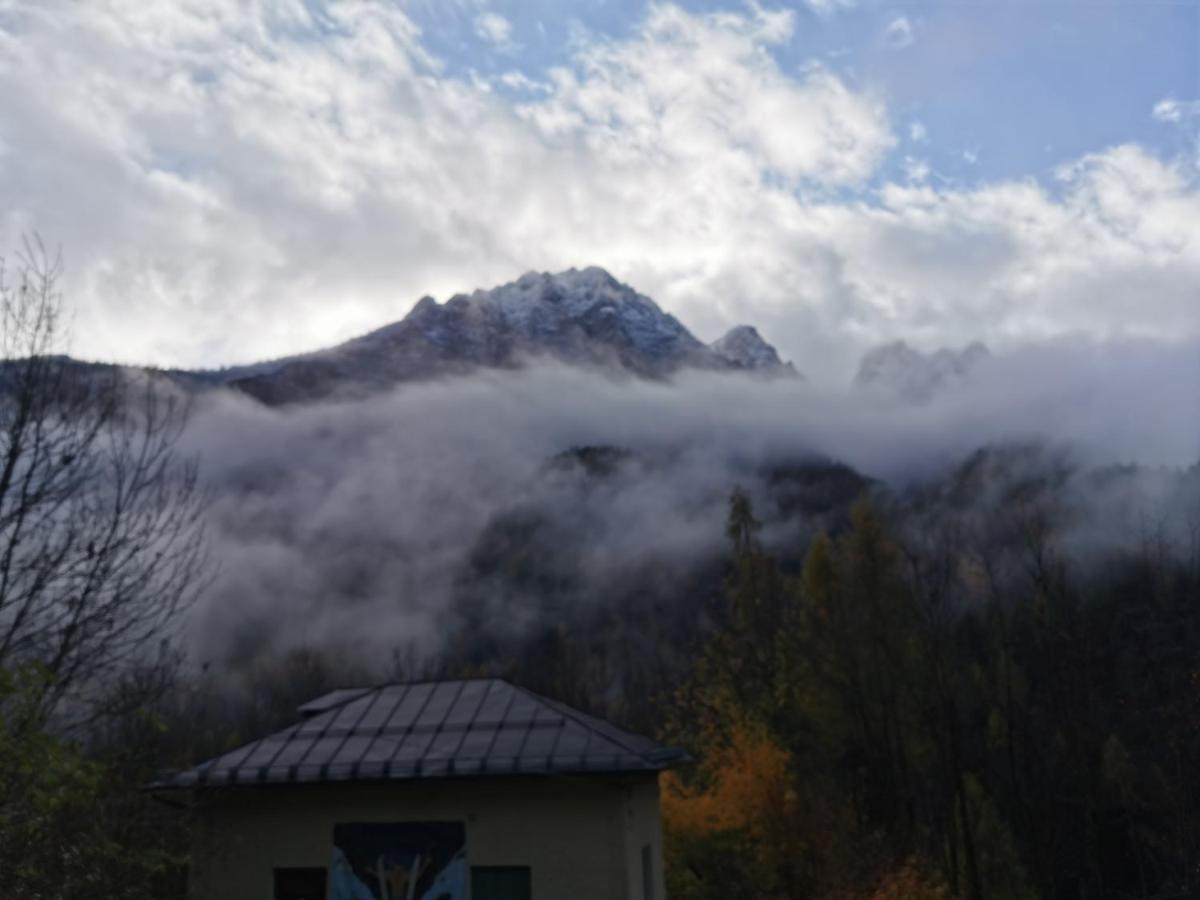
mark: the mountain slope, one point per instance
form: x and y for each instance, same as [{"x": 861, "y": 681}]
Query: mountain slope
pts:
[
  {"x": 579, "y": 317},
  {"x": 743, "y": 346},
  {"x": 902, "y": 371}
]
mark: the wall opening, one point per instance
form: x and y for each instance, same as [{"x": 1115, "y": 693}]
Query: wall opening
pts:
[
  {"x": 300, "y": 883},
  {"x": 501, "y": 883}
]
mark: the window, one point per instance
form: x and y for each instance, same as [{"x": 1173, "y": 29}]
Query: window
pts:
[
  {"x": 647, "y": 873},
  {"x": 300, "y": 884},
  {"x": 500, "y": 883}
]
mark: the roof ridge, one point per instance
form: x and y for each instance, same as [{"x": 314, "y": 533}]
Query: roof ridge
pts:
[
  {"x": 357, "y": 693},
  {"x": 569, "y": 713},
  {"x": 352, "y": 694}
]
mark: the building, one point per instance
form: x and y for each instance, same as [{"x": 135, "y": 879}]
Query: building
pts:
[{"x": 432, "y": 791}]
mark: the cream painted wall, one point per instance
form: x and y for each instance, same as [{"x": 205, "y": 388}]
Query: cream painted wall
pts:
[
  {"x": 582, "y": 837},
  {"x": 643, "y": 828}
]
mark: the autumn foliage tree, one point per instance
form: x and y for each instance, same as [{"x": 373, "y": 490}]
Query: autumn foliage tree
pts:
[{"x": 733, "y": 823}]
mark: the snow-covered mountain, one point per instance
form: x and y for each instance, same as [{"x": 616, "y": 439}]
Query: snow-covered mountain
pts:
[
  {"x": 903, "y": 371},
  {"x": 743, "y": 346},
  {"x": 579, "y": 317}
]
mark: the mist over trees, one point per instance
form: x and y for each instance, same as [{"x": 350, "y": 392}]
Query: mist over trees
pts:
[{"x": 332, "y": 520}]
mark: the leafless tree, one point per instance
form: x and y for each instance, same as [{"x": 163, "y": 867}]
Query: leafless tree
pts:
[{"x": 101, "y": 528}]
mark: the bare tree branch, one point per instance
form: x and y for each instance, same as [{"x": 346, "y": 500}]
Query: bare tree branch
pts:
[{"x": 101, "y": 528}]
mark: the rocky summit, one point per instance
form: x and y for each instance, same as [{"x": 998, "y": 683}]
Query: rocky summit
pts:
[{"x": 581, "y": 317}]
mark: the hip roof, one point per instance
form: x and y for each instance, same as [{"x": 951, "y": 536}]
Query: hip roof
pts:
[{"x": 428, "y": 730}]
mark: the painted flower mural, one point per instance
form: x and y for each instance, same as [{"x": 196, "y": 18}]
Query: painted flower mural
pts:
[{"x": 398, "y": 861}]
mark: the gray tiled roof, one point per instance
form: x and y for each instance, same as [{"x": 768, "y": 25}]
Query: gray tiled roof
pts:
[{"x": 431, "y": 729}]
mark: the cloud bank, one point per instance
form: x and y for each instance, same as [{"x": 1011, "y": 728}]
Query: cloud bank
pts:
[
  {"x": 358, "y": 522},
  {"x": 232, "y": 181}
]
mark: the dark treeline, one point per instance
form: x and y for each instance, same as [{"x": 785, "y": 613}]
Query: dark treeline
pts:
[{"x": 944, "y": 702}]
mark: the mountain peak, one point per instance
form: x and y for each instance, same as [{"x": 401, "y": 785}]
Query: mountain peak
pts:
[
  {"x": 424, "y": 304},
  {"x": 580, "y": 317},
  {"x": 589, "y": 276},
  {"x": 545, "y": 285},
  {"x": 907, "y": 372},
  {"x": 582, "y": 311},
  {"x": 743, "y": 346}
]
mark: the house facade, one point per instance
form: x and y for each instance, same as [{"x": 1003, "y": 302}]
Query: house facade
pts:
[{"x": 434, "y": 791}]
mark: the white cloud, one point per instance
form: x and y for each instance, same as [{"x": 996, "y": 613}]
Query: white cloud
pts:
[
  {"x": 519, "y": 81},
  {"x": 899, "y": 33},
  {"x": 1167, "y": 111},
  {"x": 232, "y": 181},
  {"x": 1175, "y": 111},
  {"x": 1113, "y": 255},
  {"x": 916, "y": 169},
  {"x": 703, "y": 92},
  {"x": 495, "y": 29},
  {"x": 917, "y": 132}
]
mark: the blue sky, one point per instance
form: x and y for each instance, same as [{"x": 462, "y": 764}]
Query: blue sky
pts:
[
  {"x": 234, "y": 180},
  {"x": 1001, "y": 89}
]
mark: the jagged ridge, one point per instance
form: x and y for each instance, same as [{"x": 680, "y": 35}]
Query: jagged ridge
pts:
[
  {"x": 579, "y": 317},
  {"x": 903, "y": 371}
]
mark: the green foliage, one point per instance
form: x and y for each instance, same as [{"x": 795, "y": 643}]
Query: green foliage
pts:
[
  {"x": 47, "y": 791},
  {"x": 70, "y": 826},
  {"x": 1000, "y": 870},
  {"x": 710, "y": 866}
]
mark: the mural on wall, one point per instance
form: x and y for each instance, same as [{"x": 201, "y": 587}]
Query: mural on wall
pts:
[{"x": 399, "y": 861}]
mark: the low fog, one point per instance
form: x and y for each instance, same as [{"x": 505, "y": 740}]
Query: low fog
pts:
[{"x": 349, "y": 525}]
